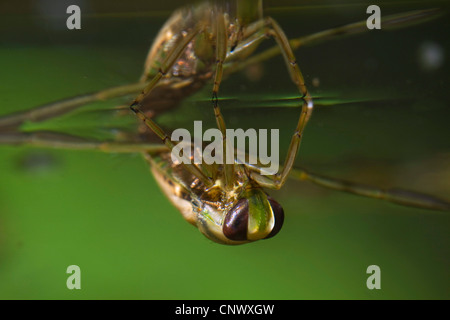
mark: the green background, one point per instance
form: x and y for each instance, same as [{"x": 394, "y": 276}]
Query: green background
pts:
[{"x": 105, "y": 213}]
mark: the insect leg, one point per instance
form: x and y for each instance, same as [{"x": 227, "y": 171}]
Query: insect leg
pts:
[
  {"x": 275, "y": 31},
  {"x": 221, "y": 51},
  {"x": 192, "y": 168},
  {"x": 395, "y": 195},
  {"x": 63, "y": 141},
  {"x": 390, "y": 22},
  {"x": 167, "y": 64},
  {"x": 60, "y": 107},
  {"x": 399, "y": 196},
  {"x": 277, "y": 180}
]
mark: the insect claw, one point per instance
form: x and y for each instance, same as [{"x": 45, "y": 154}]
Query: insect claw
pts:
[
  {"x": 133, "y": 108},
  {"x": 214, "y": 98}
]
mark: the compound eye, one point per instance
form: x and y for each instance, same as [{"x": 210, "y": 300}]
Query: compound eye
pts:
[
  {"x": 236, "y": 221},
  {"x": 278, "y": 214}
]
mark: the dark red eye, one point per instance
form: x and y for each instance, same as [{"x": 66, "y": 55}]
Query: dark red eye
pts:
[
  {"x": 278, "y": 214},
  {"x": 236, "y": 221}
]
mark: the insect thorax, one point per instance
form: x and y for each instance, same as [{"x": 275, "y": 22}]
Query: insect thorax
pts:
[{"x": 182, "y": 187}]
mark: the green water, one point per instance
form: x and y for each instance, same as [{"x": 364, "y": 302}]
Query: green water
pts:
[{"x": 105, "y": 213}]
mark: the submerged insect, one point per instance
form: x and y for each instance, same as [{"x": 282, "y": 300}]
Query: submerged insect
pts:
[
  {"x": 227, "y": 202},
  {"x": 198, "y": 44}
]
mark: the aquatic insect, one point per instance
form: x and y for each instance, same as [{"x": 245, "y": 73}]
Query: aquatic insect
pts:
[{"x": 227, "y": 203}]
